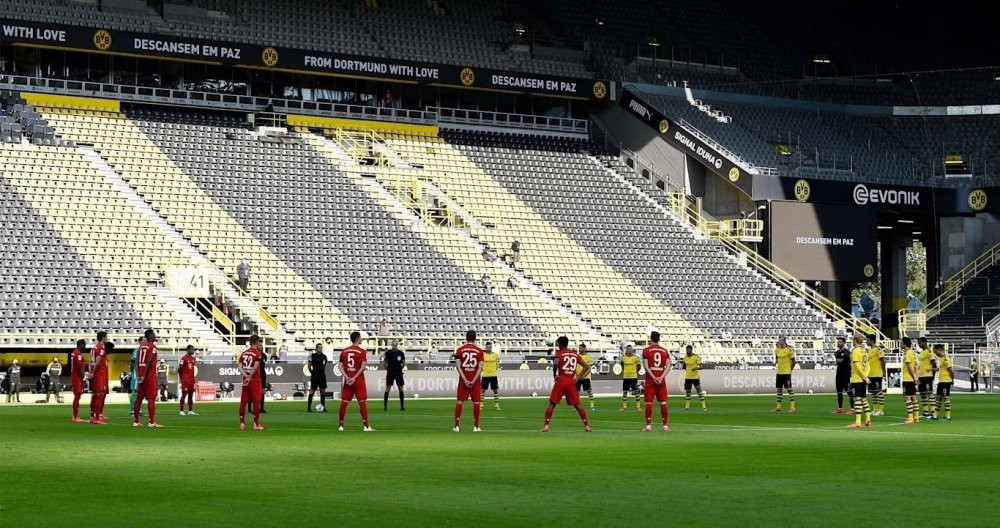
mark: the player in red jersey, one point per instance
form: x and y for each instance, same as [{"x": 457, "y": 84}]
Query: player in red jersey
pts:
[
  {"x": 565, "y": 363},
  {"x": 656, "y": 362},
  {"x": 98, "y": 378},
  {"x": 78, "y": 375},
  {"x": 469, "y": 358},
  {"x": 353, "y": 360},
  {"x": 145, "y": 368},
  {"x": 252, "y": 391},
  {"x": 185, "y": 369}
]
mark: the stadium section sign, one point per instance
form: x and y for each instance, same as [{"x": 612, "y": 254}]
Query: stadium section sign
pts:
[
  {"x": 103, "y": 40},
  {"x": 823, "y": 241},
  {"x": 686, "y": 142}
]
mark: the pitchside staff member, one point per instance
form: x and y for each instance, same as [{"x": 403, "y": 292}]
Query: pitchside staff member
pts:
[
  {"x": 843, "y": 357},
  {"x": 393, "y": 363},
  {"x": 54, "y": 370},
  {"x": 14, "y": 377},
  {"x": 317, "y": 377}
]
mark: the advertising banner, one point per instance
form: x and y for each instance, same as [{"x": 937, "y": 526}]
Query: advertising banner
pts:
[{"x": 115, "y": 41}]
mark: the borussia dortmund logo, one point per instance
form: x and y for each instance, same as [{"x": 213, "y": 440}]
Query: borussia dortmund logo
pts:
[
  {"x": 802, "y": 191},
  {"x": 468, "y": 76},
  {"x": 102, "y": 39},
  {"x": 269, "y": 57}
]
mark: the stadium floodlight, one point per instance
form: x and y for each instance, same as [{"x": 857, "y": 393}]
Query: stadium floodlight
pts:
[
  {"x": 885, "y": 227},
  {"x": 904, "y": 221}
]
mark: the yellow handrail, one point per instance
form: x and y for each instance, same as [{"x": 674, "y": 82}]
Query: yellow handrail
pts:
[
  {"x": 683, "y": 208},
  {"x": 916, "y": 320}
]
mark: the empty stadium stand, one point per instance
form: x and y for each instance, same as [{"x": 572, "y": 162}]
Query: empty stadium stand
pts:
[
  {"x": 973, "y": 303},
  {"x": 694, "y": 277}
]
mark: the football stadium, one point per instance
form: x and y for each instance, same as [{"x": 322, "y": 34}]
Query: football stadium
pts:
[{"x": 602, "y": 263}]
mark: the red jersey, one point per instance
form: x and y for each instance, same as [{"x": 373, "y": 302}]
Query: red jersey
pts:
[
  {"x": 145, "y": 362},
  {"x": 566, "y": 361},
  {"x": 99, "y": 358},
  {"x": 470, "y": 358},
  {"x": 186, "y": 368},
  {"x": 77, "y": 364},
  {"x": 248, "y": 359},
  {"x": 657, "y": 358},
  {"x": 351, "y": 359}
]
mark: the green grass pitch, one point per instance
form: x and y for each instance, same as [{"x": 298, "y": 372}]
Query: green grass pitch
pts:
[{"x": 736, "y": 465}]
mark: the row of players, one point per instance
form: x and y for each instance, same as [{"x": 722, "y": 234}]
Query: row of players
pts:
[{"x": 859, "y": 371}]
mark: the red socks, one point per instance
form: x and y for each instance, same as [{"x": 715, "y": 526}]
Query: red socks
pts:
[
  {"x": 548, "y": 414},
  {"x": 151, "y": 406},
  {"x": 343, "y": 411},
  {"x": 477, "y": 408},
  {"x": 583, "y": 415},
  {"x": 649, "y": 413},
  {"x": 664, "y": 413},
  {"x": 364, "y": 412},
  {"x": 76, "y": 406},
  {"x": 458, "y": 413}
]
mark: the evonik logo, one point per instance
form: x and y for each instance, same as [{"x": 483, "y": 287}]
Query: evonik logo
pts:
[{"x": 863, "y": 196}]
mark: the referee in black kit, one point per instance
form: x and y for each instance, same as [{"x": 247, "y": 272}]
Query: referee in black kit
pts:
[
  {"x": 393, "y": 362},
  {"x": 317, "y": 377}
]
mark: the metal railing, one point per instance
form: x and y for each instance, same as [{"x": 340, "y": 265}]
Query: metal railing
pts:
[
  {"x": 165, "y": 343},
  {"x": 682, "y": 207},
  {"x": 993, "y": 332},
  {"x": 916, "y": 320},
  {"x": 502, "y": 119},
  {"x": 735, "y": 158}
]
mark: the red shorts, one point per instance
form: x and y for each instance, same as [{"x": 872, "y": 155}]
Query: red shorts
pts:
[
  {"x": 187, "y": 386},
  {"x": 359, "y": 390},
  {"x": 565, "y": 388},
  {"x": 251, "y": 393},
  {"x": 147, "y": 390},
  {"x": 659, "y": 392},
  {"x": 78, "y": 386},
  {"x": 99, "y": 383},
  {"x": 475, "y": 393}
]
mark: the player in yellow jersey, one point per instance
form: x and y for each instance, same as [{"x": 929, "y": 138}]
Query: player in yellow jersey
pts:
[
  {"x": 859, "y": 382},
  {"x": 946, "y": 377},
  {"x": 876, "y": 372},
  {"x": 491, "y": 367},
  {"x": 784, "y": 362},
  {"x": 692, "y": 378},
  {"x": 583, "y": 382},
  {"x": 925, "y": 368},
  {"x": 630, "y": 377},
  {"x": 910, "y": 381}
]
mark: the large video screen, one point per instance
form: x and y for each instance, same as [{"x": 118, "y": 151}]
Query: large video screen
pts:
[{"x": 824, "y": 242}]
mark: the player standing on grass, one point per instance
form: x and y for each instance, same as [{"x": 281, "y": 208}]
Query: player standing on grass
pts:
[
  {"x": 317, "y": 377},
  {"x": 145, "y": 366},
  {"x": 78, "y": 375},
  {"x": 876, "y": 371},
  {"x": 134, "y": 378},
  {"x": 843, "y": 358},
  {"x": 630, "y": 377},
  {"x": 656, "y": 362},
  {"x": 692, "y": 378},
  {"x": 491, "y": 367},
  {"x": 784, "y": 362},
  {"x": 185, "y": 371},
  {"x": 98, "y": 378},
  {"x": 353, "y": 360},
  {"x": 567, "y": 376},
  {"x": 469, "y": 358},
  {"x": 859, "y": 382},
  {"x": 584, "y": 381},
  {"x": 394, "y": 361},
  {"x": 910, "y": 381},
  {"x": 926, "y": 368},
  {"x": 946, "y": 377},
  {"x": 251, "y": 391}
]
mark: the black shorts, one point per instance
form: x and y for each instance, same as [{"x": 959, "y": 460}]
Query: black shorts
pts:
[
  {"x": 783, "y": 381},
  {"x": 688, "y": 383},
  {"x": 630, "y": 385},
  {"x": 860, "y": 390},
  {"x": 909, "y": 388},
  {"x": 583, "y": 384},
  {"x": 944, "y": 388},
  {"x": 843, "y": 384},
  {"x": 874, "y": 384},
  {"x": 491, "y": 383},
  {"x": 926, "y": 383},
  {"x": 393, "y": 378},
  {"x": 317, "y": 382}
]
